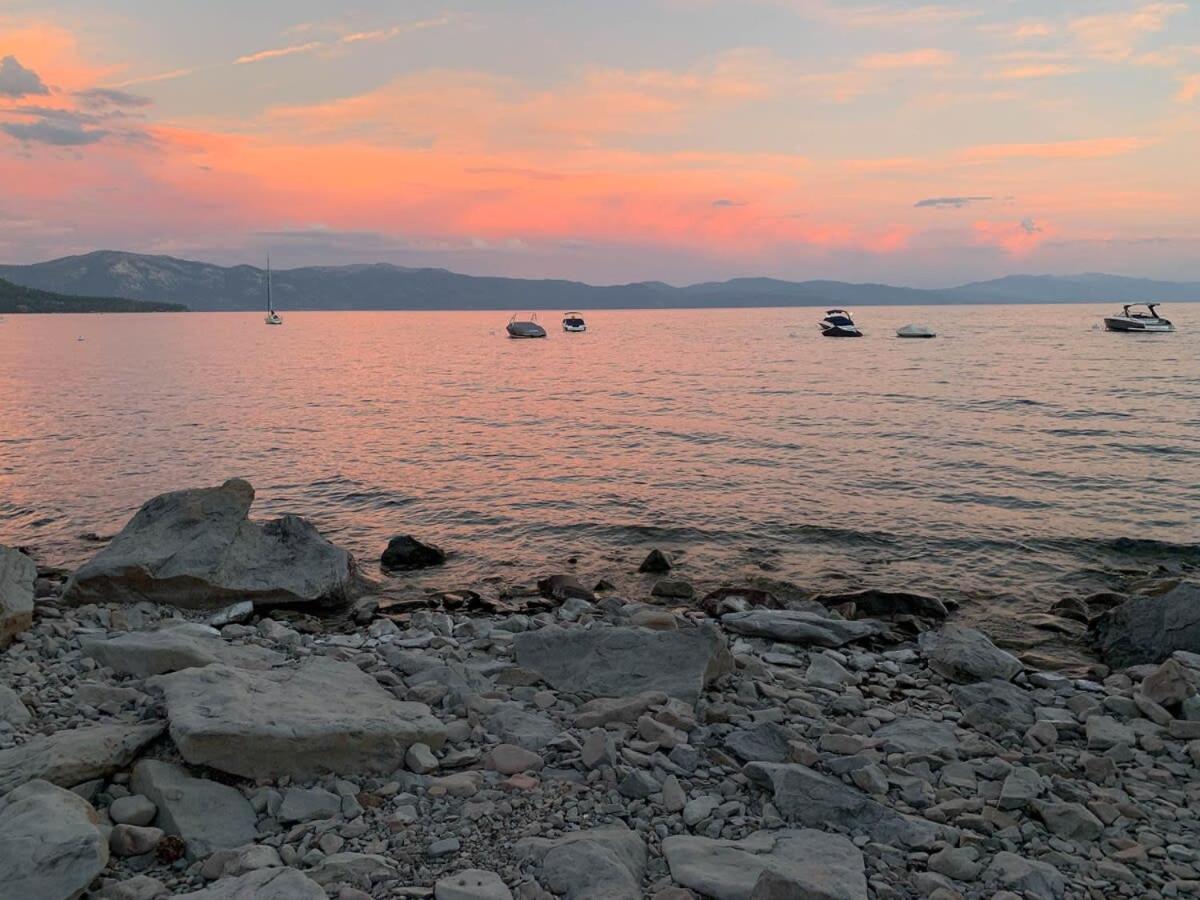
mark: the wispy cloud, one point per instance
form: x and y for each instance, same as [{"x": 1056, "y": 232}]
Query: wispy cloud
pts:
[
  {"x": 1091, "y": 148},
  {"x": 949, "y": 202},
  {"x": 1114, "y": 36},
  {"x": 277, "y": 52},
  {"x": 1036, "y": 70},
  {"x": 357, "y": 37},
  {"x": 18, "y": 81},
  {"x": 158, "y": 76},
  {"x": 1189, "y": 88},
  {"x": 927, "y": 58}
]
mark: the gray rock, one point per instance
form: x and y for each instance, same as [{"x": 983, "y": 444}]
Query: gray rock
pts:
[
  {"x": 964, "y": 655},
  {"x": 673, "y": 589},
  {"x": 320, "y": 716},
  {"x": 262, "y": 884},
  {"x": 1149, "y": 629},
  {"x": 12, "y": 710},
  {"x": 140, "y": 887},
  {"x": 798, "y": 627},
  {"x": 145, "y": 653},
  {"x": 132, "y": 810},
  {"x": 17, "y": 575},
  {"x": 509, "y": 759},
  {"x": 233, "y": 614},
  {"x": 207, "y": 815},
  {"x": 359, "y": 869},
  {"x": 308, "y": 804},
  {"x": 515, "y": 725},
  {"x": 471, "y": 884},
  {"x": 673, "y": 797},
  {"x": 995, "y": 707},
  {"x": 68, "y": 758},
  {"x": 806, "y": 797},
  {"x": 599, "y": 749},
  {"x": 405, "y": 552},
  {"x": 768, "y": 742},
  {"x": 239, "y": 861},
  {"x": 959, "y": 863},
  {"x": 638, "y": 784},
  {"x": 565, "y": 587},
  {"x": 700, "y": 808},
  {"x": 133, "y": 840},
  {"x": 825, "y": 672},
  {"x": 812, "y": 864},
  {"x": 1019, "y": 874},
  {"x": 921, "y": 736},
  {"x": 655, "y": 563},
  {"x": 197, "y": 549},
  {"x": 1168, "y": 685},
  {"x": 51, "y": 846},
  {"x": 1020, "y": 786},
  {"x": 444, "y": 847},
  {"x": 607, "y": 862},
  {"x": 1070, "y": 820},
  {"x": 420, "y": 759},
  {"x": 1105, "y": 732},
  {"x": 606, "y": 710},
  {"x": 622, "y": 662}
]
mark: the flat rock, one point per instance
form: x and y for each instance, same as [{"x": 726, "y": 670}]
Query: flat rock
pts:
[
  {"x": 877, "y": 603},
  {"x": 623, "y": 662},
  {"x": 1037, "y": 879},
  {"x": 607, "y": 862},
  {"x": 964, "y": 655},
  {"x": 197, "y": 549},
  {"x": 471, "y": 884},
  {"x": 768, "y": 742},
  {"x": 206, "y": 814},
  {"x": 605, "y": 710},
  {"x": 51, "y": 845},
  {"x": 17, "y": 575},
  {"x": 564, "y": 587},
  {"x": 318, "y": 717},
  {"x": 12, "y": 710},
  {"x": 800, "y": 627},
  {"x": 1149, "y": 629},
  {"x": 509, "y": 759},
  {"x": 806, "y": 797},
  {"x": 995, "y": 707},
  {"x": 308, "y": 804},
  {"x": 261, "y": 884},
  {"x": 515, "y": 725},
  {"x": 810, "y": 864},
  {"x": 68, "y": 758},
  {"x": 145, "y": 653},
  {"x": 358, "y": 869},
  {"x": 920, "y": 736}
]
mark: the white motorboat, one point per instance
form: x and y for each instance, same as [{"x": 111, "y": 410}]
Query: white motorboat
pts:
[
  {"x": 525, "y": 328},
  {"x": 272, "y": 316},
  {"x": 837, "y": 323},
  {"x": 916, "y": 331},
  {"x": 573, "y": 321},
  {"x": 1130, "y": 320}
]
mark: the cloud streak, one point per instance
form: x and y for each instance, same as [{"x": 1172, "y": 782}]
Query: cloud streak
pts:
[{"x": 948, "y": 202}]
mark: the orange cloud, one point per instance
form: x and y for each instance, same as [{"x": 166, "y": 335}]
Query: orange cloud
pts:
[
  {"x": 1040, "y": 70},
  {"x": 912, "y": 59},
  {"x": 1189, "y": 89},
  {"x": 1114, "y": 36},
  {"x": 1015, "y": 238},
  {"x": 1094, "y": 148}
]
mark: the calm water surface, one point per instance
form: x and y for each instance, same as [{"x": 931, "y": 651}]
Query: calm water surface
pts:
[{"x": 1023, "y": 455}]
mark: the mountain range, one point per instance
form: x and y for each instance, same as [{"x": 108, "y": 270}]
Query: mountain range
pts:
[
  {"x": 207, "y": 287},
  {"x": 15, "y": 298}
]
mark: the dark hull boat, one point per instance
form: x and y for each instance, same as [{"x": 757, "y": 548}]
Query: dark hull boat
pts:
[
  {"x": 525, "y": 328},
  {"x": 837, "y": 323},
  {"x": 1139, "y": 322}
]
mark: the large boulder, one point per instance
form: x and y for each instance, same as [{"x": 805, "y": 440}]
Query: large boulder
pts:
[
  {"x": 206, "y": 814},
  {"x": 17, "y": 574},
  {"x": 801, "y": 627},
  {"x": 51, "y": 846},
  {"x": 1149, "y": 629},
  {"x": 318, "y": 717},
  {"x": 68, "y": 758},
  {"x": 622, "y": 662},
  {"x": 197, "y": 549},
  {"x": 607, "y": 862},
  {"x": 812, "y": 864},
  {"x": 405, "y": 552},
  {"x": 964, "y": 655},
  {"x": 806, "y": 797},
  {"x": 145, "y": 653}
]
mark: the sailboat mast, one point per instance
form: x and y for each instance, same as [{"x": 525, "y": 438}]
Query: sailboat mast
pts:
[{"x": 269, "y": 308}]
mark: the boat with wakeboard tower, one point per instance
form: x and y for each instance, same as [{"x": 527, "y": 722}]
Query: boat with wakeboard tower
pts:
[
  {"x": 1131, "y": 321},
  {"x": 837, "y": 323},
  {"x": 525, "y": 328},
  {"x": 573, "y": 321}
]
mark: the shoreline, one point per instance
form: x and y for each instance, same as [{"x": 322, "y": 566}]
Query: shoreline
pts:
[{"x": 561, "y": 741}]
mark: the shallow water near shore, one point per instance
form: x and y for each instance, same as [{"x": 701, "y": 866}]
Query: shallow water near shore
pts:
[{"x": 1022, "y": 456}]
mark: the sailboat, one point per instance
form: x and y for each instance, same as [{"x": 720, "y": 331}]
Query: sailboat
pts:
[{"x": 272, "y": 316}]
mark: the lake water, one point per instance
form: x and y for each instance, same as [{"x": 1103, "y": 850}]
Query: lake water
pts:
[{"x": 1023, "y": 455}]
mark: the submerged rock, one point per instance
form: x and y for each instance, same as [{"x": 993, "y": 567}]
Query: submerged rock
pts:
[
  {"x": 68, "y": 758},
  {"x": 1149, "y": 629},
  {"x": 564, "y": 587},
  {"x": 405, "y": 552},
  {"x": 51, "y": 846},
  {"x": 877, "y": 603},
  {"x": 805, "y": 628},
  {"x": 318, "y": 717},
  {"x": 622, "y": 662},
  {"x": 17, "y": 575},
  {"x": 655, "y": 563},
  {"x": 197, "y": 549},
  {"x": 804, "y": 863}
]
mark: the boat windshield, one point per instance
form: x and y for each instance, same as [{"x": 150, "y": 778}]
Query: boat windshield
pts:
[{"x": 838, "y": 320}]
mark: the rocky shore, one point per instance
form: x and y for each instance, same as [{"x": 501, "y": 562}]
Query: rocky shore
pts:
[{"x": 216, "y": 709}]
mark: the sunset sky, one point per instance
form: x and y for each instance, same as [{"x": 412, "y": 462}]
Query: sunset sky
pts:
[{"x": 680, "y": 140}]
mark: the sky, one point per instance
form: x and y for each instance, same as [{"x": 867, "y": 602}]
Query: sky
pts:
[{"x": 674, "y": 140}]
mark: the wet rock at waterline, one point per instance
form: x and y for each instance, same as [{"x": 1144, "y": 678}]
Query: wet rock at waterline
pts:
[
  {"x": 198, "y": 549},
  {"x": 317, "y": 717},
  {"x": 801, "y": 627},
  {"x": 621, "y": 662},
  {"x": 564, "y": 587},
  {"x": 406, "y": 552},
  {"x": 17, "y": 575},
  {"x": 1149, "y": 629},
  {"x": 965, "y": 654},
  {"x": 655, "y": 563}
]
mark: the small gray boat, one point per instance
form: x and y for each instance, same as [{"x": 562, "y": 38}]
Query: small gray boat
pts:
[{"x": 525, "y": 328}]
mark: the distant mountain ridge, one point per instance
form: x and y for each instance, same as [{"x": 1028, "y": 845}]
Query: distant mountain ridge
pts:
[
  {"x": 207, "y": 287},
  {"x": 15, "y": 298}
]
